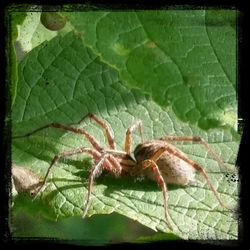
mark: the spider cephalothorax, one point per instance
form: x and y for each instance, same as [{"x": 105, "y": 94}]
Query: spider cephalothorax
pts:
[{"x": 155, "y": 159}]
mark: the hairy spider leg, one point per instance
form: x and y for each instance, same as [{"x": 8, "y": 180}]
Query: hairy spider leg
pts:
[
  {"x": 94, "y": 153},
  {"x": 128, "y": 137},
  {"x": 81, "y": 131},
  {"x": 200, "y": 170},
  {"x": 117, "y": 168},
  {"x": 159, "y": 179},
  {"x": 200, "y": 140},
  {"x": 105, "y": 126}
]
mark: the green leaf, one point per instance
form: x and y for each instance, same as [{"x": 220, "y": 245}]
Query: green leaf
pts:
[
  {"x": 13, "y": 19},
  {"x": 61, "y": 81},
  {"x": 185, "y": 59}
]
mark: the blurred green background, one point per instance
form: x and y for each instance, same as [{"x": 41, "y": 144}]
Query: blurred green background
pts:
[{"x": 96, "y": 230}]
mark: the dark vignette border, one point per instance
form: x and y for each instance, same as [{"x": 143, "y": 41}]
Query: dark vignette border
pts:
[{"x": 242, "y": 77}]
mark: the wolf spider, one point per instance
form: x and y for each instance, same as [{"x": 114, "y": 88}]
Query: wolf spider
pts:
[{"x": 156, "y": 159}]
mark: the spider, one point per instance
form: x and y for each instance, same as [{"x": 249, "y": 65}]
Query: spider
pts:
[{"x": 155, "y": 159}]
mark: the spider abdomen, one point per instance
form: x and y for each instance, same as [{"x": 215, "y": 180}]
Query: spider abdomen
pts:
[{"x": 173, "y": 169}]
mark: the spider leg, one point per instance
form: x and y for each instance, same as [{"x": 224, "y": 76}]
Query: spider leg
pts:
[
  {"x": 198, "y": 168},
  {"x": 200, "y": 140},
  {"x": 151, "y": 163},
  {"x": 128, "y": 138},
  {"x": 203, "y": 172},
  {"x": 94, "y": 172},
  {"x": 80, "y": 131},
  {"x": 114, "y": 167},
  {"x": 103, "y": 124},
  {"x": 96, "y": 155}
]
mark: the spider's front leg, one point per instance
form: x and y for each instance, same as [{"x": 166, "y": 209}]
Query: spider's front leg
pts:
[
  {"x": 104, "y": 125},
  {"x": 94, "y": 153},
  {"x": 108, "y": 162},
  {"x": 80, "y": 131},
  {"x": 128, "y": 137},
  {"x": 105, "y": 161}
]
